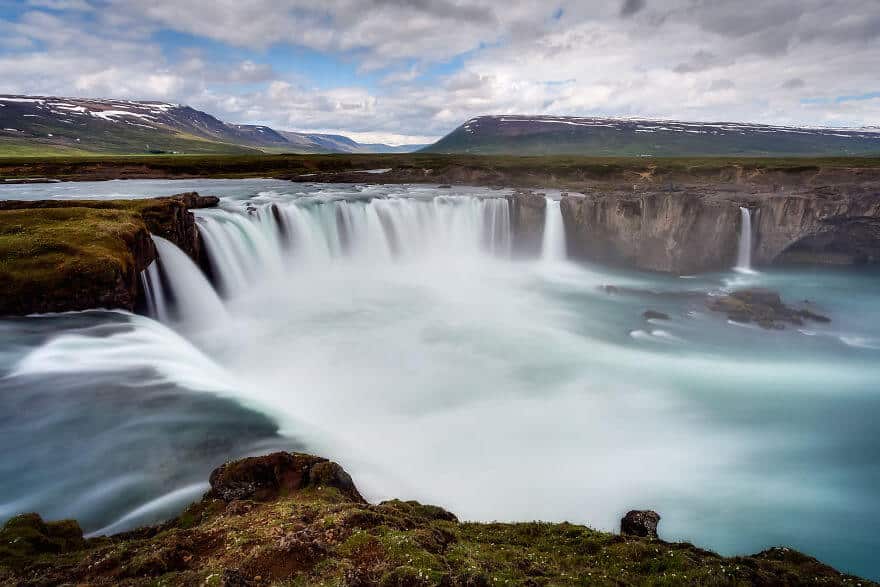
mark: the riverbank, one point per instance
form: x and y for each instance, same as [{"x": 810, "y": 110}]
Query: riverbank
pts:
[{"x": 294, "y": 519}]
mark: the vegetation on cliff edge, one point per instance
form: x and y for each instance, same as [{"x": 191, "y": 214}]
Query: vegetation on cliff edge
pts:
[
  {"x": 291, "y": 519},
  {"x": 73, "y": 255}
]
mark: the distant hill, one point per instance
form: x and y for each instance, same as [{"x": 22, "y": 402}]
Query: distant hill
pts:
[
  {"x": 39, "y": 125},
  {"x": 558, "y": 135}
]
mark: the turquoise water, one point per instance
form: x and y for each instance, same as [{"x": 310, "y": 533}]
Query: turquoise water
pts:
[{"x": 500, "y": 388}]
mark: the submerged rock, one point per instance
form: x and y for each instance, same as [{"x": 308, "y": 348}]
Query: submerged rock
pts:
[
  {"x": 654, "y": 315},
  {"x": 762, "y": 306},
  {"x": 642, "y": 523}
]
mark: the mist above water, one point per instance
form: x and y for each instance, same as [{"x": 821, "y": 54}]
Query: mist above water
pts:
[{"x": 389, "y": 329}]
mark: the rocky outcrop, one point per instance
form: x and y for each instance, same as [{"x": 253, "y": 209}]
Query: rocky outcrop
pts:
[
  {"x": 58, "y": 256},
  {"x": 267, "y": 477},
  {"x": 764, "y": 307},
  {"x": 642, "y": 523},
  {"x": 288, "y": 521}
]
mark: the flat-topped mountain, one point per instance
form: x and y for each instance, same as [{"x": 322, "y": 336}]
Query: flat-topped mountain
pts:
[
  {"x": 558, "y": 135},
  {"x": 40, "y": 125}
]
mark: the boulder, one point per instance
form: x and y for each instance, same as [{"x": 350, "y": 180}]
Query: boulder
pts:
[
  {"x": 278, "y": 474},
  {"x": 27, "y": 535},
  {"x": 642, "y": 523}
]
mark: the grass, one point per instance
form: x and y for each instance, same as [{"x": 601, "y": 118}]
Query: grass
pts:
[
  {"x": 320, "y": 535},
  {"x": 71, "y": 255},
  {"x": 549, "y": 170}
]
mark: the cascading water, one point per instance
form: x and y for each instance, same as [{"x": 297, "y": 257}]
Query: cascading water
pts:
[
  {"x": 744, "y": 252},
  {"x": 195, "y": 301},
  {"x": 266, "y": 242},
  {"x": 151, "y": 281},
  {"x": 553, "y": 245},
  {"x": 381, "y": 326}
]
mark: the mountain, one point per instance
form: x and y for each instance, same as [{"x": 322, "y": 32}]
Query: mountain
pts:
[
  {"x": 324, "y": 143},
  {"x": 558, "y": 135},
  {"x": 39, "y": 125}
]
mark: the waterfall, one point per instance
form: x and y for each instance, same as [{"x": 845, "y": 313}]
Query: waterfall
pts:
[
  {"x": 271, "y": 240},
  {"x": 553, "y": 246},
  {"x": 151, "y": 280},
  {"x": 195, "y": 300},
  {"x": 744, "y": 252}
]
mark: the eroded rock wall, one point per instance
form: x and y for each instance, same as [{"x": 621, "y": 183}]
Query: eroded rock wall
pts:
[{"x": 670, "y": 232}]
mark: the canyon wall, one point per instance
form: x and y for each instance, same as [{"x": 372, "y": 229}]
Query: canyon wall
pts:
[{"x": 697, "y": 229}]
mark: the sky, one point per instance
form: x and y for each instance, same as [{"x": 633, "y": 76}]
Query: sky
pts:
[{"x": 410, "y": 71}]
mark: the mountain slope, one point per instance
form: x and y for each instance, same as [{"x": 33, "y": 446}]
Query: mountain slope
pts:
[
  {"x": 41, "y": 125},
  {"x": 326, "y": 143},
  {"x": 555, "y": 135}
]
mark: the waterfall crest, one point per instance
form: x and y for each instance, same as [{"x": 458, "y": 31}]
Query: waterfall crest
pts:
[
  {"x": 553, "y": 245},
  {"x": 744, "y": 251},
  {"x": 268, "y": 241},
  {"x": 194, "y": 299}
]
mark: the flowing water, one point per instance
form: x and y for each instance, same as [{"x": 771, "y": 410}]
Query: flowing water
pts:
[
  {"x": 744, "y": 249},
  {"x": 553, "y": 243},
  {"x": 389, "y": 328}
]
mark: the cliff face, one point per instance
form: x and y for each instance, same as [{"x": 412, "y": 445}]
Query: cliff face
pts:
[
  {"x": 527, "y": 222},
  {"x": 671, "y": 232},
  {"x": 697, "y": 229},
  {"x": 58, "y": 256},
  {"x": 818, "y": 228}
]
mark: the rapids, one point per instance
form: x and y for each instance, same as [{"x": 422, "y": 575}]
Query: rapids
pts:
[{"x": 389, "y": 328}]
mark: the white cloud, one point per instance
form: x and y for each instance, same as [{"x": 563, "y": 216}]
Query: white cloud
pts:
[{"x": 689, "y": 59}]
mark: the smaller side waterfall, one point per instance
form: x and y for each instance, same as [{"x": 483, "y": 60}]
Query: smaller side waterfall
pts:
[
  {"x": 744, "y": 252},
  {"x": 151, "y": 280},
  {"x": 195, "y": 300},
  {"x": 553, "y": 245}
]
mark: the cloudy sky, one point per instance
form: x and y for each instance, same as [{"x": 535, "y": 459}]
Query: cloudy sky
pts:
[{"x": 405, "y": 71}]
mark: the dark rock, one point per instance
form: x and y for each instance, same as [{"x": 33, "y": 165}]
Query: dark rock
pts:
[
  {"x": 28, "y": 535},
  {"x": 526, "y": 221},
  {"x": 654, "y": 315},
  {"x": 445, "y": 186},
  {"x": 278, "y": 474},
  {"x": 762, "y": 306},
  {"x": 642, "y": 523}
]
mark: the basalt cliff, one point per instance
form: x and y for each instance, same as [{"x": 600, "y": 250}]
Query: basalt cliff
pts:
[{"x": 686, "y": 226}]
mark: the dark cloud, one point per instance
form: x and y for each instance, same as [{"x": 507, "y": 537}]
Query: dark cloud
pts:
[
  {"x": 699, "y": 61},
  {"x": 630, "y": 7},
  {"x": 794, "y": 83}
]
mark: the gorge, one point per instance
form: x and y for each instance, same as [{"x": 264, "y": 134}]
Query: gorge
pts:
[{"x": 435, "y": 339}]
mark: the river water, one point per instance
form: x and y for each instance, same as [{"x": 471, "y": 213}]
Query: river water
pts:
[{"x": 389, "y": 328}]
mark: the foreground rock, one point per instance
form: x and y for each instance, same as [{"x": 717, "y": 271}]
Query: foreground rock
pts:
[
  {"x": 295, "y": 519},
  {"x": 764, "y": 307},
  {"x": 642, "y": 523},
  {"x": 62, "y": 255}
]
